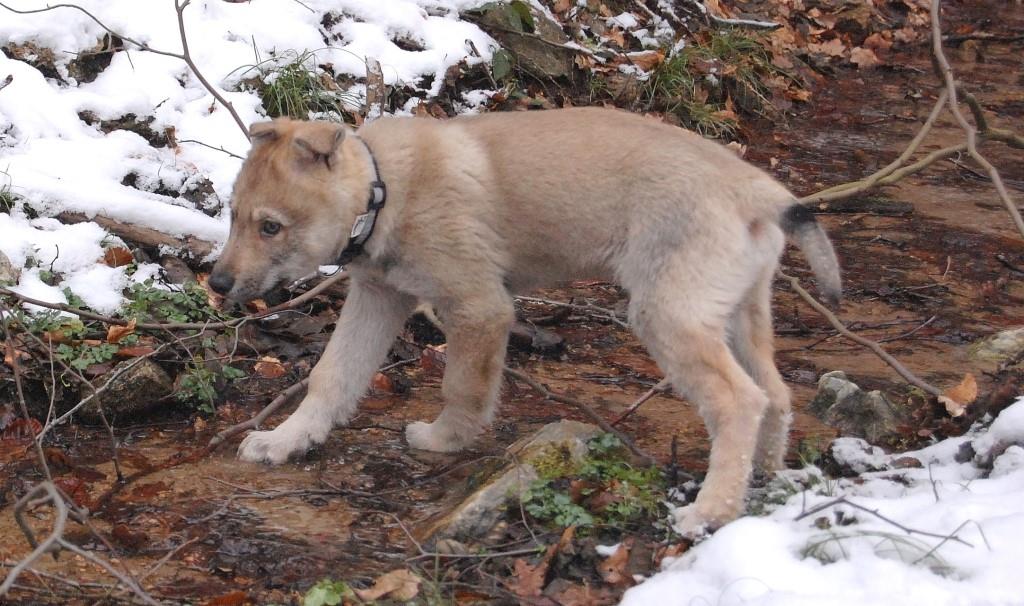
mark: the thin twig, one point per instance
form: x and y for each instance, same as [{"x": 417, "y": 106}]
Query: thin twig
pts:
[
  {"x": 646, "y": 459},
  {"x": 946, "y": 73},
  {"x": 287, "y": 305},
  {"x": 844, "y": 501},
  {"x": 873, "y": 346},
  {"x": 254, "y": 423},
  {"x": 185, "y": 55},
  {"x": 662, "y": 387}
]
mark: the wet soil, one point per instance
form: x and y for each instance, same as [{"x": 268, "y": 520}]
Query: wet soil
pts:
[{"x": 214, "y": 525}]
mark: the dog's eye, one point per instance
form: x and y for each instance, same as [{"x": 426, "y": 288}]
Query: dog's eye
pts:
[{"x": 270, "y": 228}]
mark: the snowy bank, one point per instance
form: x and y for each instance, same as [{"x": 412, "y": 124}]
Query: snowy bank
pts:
[
  {"x": 54, "y": 155},
  {"x": 970, "y": 486}
]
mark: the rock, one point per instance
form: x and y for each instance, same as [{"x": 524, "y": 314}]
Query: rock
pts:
[
  {"x": 484, "y": 498},
  {"x": 8, "y": 273},
  {"x": 529, "y": 35},
  {"x": 530, "y": 338},
  {"x": 998, "y": 348},
  {"x": 135, "y": 392},
  {"x": 854, "y": 412}
]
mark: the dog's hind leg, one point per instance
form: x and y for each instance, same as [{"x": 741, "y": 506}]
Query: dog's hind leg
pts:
[
  {"x": 681, "y": 317},
  {"x": 370, "y": 319},
  {"x": 476, "y": 330},
  {"x": 751, "y": 339}
]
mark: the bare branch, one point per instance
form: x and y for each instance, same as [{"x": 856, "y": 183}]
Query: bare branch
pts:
[
  {"x": 179, "y": 7},
  {"x": 254, "y": 423},
  {"x": 846, "y": 332},
  {"x": 946, "y": 73},
  {"x": 584, "y": 408}
]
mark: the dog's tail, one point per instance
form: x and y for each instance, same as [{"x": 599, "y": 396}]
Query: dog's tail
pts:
[{"x": 800, "y": 224}]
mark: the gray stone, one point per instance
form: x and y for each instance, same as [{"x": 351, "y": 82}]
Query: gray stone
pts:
[
  {"x": 484, "y": 499},
  {"x": 535, "y": 42},
  {"x": 135, "y": 392},
  {"x": 842, "y": 404},
  {"x": 8, "y": 273},
  {"x": 1000, "y": 347}
]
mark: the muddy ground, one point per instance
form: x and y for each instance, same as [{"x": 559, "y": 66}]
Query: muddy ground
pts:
[{"x": 211, "y": 526}]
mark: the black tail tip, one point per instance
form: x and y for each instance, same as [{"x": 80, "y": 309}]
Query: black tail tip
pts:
[{"x": 795, "y": 216}]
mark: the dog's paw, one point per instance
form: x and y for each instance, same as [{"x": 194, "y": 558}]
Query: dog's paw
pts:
[
  {"x": 274, "y": 446},
  {"x": 690, "y": 523},
  {"x": 435, "y": 437}
]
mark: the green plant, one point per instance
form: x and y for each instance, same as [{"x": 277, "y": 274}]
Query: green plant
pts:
[
  {"x": 701, "y": 82},
  {"x": 291, "y": 84},
  {"x": 197, "y": 385},
  {"x": 602, "y": 489},
  {"x": 189, "y": 303},
  {"x": 83, "y": 355},
  {"x": 327, "y": 593}
]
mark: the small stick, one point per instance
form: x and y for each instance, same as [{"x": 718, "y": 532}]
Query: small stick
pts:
[
  {"x": 585, "y": 409},
  {"x": 846, "y": 332},
  {"x": 662, "y": 387},
  {"x": 269, "y": 409}
]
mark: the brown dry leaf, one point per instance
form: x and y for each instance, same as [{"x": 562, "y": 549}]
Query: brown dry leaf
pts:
[
  {"x": 400, "y": 585},
  {"x": 717, "y": 9},
  {"x": 832, "y": 48},
  {"x": 381, "y": 383},
  {"x": 617, "y": 36},
  {"x": 433, "y": 358},
  {"x": 216, "y": 301},
  {"x": 863, "y": 58},
  {"x": 879, "y": 42},
  {"x": 270, "y": 368},
  {"x": 956, "y": 399},
  {"x": 561, "y": 6},
  {"x": 115, "y": 333},
  {"x": 117, "y": 256},
  {"x": 565, "y": 545},
  {"x": 613, "y": 568},
  {"x": 647, "y": 60},
  {"x": 528, "y": 580},
  {"x": 134, "y": 352},
  {"x": 584, "y": 595}
]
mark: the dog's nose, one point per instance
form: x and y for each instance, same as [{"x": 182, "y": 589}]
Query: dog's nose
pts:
[{"x": 221, "y": 282}]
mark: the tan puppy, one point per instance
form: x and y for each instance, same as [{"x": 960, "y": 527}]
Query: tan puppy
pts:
[{"x": 481, "y": 207}]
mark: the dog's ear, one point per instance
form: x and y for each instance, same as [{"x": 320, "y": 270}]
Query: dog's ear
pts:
[
  {"x": 263, "y": 132},
  {"x": 320, "y": 142}
]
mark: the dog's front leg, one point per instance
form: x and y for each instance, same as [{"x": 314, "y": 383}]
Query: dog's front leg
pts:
[
  {"x": 370, "y": 319},
  {"x": 476, "y": 331}
]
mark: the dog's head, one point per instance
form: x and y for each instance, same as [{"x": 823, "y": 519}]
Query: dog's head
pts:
[{"x": 294, "y": 202}]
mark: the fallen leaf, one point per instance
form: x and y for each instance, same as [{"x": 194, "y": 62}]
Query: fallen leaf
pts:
[
  {"x": 956, "y": 399},
  {"x": 117, "y": 256},
  {"x": 832, "y": 48},
  {"x": 863, "y": 58},
  {"x": 561, "y": 6},
  {"x": 878, "y": 42},
  {"x": 613, "y": 568},
  {"x": 400, "y": 585},
  {"x": 21, "y": 429},
  {"x": 116, "y": 332},
  {"x": 433, "y": 358},
  {"x": 235, "y": 598},
  {"x": 528, "y": 579},
  {"x": 270, "y": 368},
  {"x": 646, "y": 60},
  {"x": 583, "y": 595},
  {"x": 382, "y": 383},
  {"x": 136, "y": 351}
]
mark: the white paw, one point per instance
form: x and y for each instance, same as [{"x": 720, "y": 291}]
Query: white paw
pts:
[
  {"x": 689, "y": 522},
  {"x": 276, "y": 446},
  {"x": 435, "y": 437}
]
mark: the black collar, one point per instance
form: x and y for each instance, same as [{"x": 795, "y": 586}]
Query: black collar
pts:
[{"x": 362, "y": 227}]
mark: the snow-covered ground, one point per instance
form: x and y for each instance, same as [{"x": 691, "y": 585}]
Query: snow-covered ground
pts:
[
  {"x": 51, "y": 157},
  {"x": 971, "y": 487}
]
